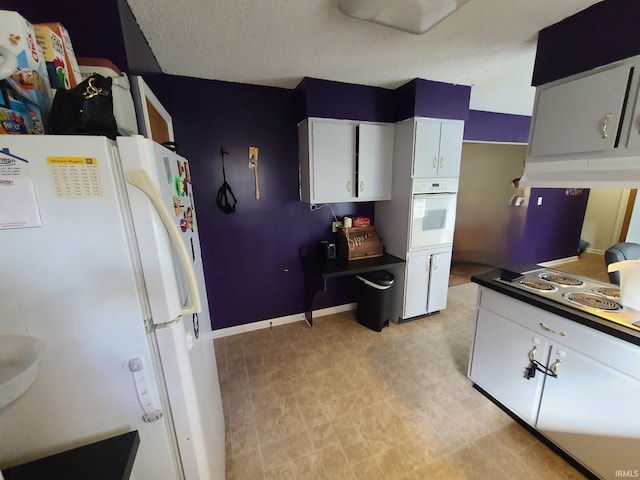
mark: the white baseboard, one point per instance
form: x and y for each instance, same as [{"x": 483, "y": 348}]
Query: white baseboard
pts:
[
  {"x": 273, "y": 322},
  {"x": 552, "y": 263}
]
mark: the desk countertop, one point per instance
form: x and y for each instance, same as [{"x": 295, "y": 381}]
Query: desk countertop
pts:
[{"x": 341, "y": 267}]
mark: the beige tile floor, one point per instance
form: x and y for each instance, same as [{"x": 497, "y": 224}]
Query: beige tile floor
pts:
[{"x": 339, "y": 401}]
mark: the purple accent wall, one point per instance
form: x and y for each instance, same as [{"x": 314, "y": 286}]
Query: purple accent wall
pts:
[
  {"x": 441, "y": 100},
  {"x": 405, "y": 97},
  {"x": 140, "y": 58},
  {"x": 417, "y": 98},
  {"x": 496, "y": 127},
  {"x": 328, "y": 99},
  {"x": 251, "y": 257},
  {"x": 601, "y": 34},
  {"x": 552, "y": 230},
  {"x": 426, "y": 98}
]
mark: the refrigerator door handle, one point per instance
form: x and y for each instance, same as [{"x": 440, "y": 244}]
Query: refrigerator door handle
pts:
[
  {"x": 151, "y": 413},
  {"x": 140, "y": 179}
]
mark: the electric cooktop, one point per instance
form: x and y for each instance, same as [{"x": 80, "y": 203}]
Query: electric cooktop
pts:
[{"x": 597, "y": 298}]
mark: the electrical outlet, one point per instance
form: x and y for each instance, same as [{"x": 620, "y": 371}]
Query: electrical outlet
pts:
[{"x": 335, "y": 226}]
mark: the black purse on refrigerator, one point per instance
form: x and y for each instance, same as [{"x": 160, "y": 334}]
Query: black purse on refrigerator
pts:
[{"x": 86, "y": 109}]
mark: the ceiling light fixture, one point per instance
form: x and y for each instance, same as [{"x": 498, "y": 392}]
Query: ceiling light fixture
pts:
[{"x": 412, "y": 16}]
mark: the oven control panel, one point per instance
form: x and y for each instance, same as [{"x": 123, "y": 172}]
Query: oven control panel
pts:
[{"x": 435, "y": 185}]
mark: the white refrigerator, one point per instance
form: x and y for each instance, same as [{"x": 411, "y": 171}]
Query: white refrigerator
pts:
[{"x": 100, "y": 260}]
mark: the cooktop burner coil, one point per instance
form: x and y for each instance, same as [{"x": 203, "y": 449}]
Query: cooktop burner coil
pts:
[
  {"x": 538, "y": 285},
  {"x": 594, "y": 301},
  {"x": 610, "y": 292},
  {"x": 559, "y": 279}
]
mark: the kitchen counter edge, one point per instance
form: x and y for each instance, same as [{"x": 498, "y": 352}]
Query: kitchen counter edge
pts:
[{"x": 488, "y": 280}]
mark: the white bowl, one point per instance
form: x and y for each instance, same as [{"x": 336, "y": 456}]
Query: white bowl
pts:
[{"x": 19, "y": 361}]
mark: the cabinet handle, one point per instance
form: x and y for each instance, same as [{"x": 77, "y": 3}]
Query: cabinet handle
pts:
[
  {"x": 348, "y": 186},
  {"x": 435, "y": 162},
  {"x": 361, "y": 186},
  {"x": 441, "y": 162},
  {"x": 605, "y": 124},
  {"x": 551, "y": 330},
  {"x": 532, "y": 354},
  {"x": 554, "y": 367},
  {"x": 434, "y": 259}
]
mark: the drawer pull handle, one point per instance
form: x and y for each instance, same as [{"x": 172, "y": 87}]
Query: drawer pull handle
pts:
[
  {"x": 554, "y": 367},
  {"x": 605, "y": 125},
  {"x": 551, "y": 330},
  {"x": 532, "y": 353}
]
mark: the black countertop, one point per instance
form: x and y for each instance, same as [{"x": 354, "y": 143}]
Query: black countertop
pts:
[
  {"x": 340, "y": 267},
  {"x": 110, "y": 459},
  {"x": 488, "y": 280}
]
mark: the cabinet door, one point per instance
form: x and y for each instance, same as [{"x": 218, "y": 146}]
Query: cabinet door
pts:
[
  {"x": 334, "y": 152},
  {"x": 426, "y": 154},
  {"x": 500, "y": 356},
  {"x": 591, "y": 410},
  {"x": 581, "y": 115},
  {"x": 440, "y": 265},
  {"x": 416, "y": 286},
  {"x": 375, "y": 154},
  {"x": 450, "y": 149},
  {"x": 634, "y": 127}
]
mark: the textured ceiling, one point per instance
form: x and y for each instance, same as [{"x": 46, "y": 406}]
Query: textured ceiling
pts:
[{"x": 488, "y": 44}]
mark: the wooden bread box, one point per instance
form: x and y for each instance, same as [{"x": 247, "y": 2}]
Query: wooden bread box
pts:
[{"x": 359, "y": 242}]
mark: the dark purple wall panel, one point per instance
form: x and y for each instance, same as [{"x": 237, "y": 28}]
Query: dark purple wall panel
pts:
[
  {"x": 405, "y": 99},
  {"x": 251, "y": 257},
  {"x": 601, "y": 34},
  {"x": 328, "y": 99},
  {"x": 140, "y": 58},
  {"x": 441, "y": 100},
  {"x": 496, "y": 127},
  {"x": 423, "y": 98},
  {"x": 552, "y": 230}
]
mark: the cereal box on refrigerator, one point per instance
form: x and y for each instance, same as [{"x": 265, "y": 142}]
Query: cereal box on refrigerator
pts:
[
  {"x": 30, "y": 80},
  {"x": 62, "y": 65}
]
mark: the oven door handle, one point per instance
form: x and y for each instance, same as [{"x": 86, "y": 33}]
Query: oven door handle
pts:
[{"x": 451, "y": 194}]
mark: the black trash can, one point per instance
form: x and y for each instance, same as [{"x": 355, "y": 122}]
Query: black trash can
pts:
[{"x": 374, "y": 299}]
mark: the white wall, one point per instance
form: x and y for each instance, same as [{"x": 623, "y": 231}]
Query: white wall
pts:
[
  {"x": 603, "y": 218},
  {"x": 483, "y": 212},
  {"x": 633, "y": 234}
]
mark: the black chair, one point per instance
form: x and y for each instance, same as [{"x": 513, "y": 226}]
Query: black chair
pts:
[{"x": 618, "y": 253}]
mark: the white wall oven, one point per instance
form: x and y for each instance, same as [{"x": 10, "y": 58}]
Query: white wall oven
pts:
[{"x": 433, "y": 212}]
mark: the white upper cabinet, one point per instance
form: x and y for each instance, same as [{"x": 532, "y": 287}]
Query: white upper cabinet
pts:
[
  {"x": 437, "y": 148},
  {"x": 585, "y": 130},
  {"x": 344, "y": 161},
  {"x": 582, "y": 115},
  {"x": 375, "y": 156},
  {"x": 333, "y": 166}
]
